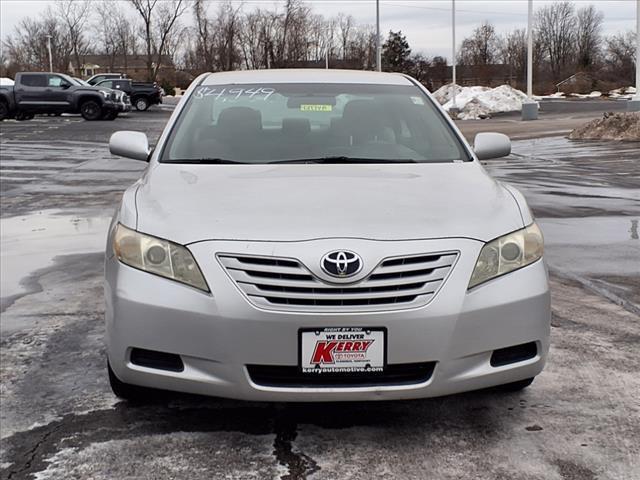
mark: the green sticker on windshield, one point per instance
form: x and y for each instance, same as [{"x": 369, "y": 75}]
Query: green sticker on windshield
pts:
[{"x": 316, "y": 108}]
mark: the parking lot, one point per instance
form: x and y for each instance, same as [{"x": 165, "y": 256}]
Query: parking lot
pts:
[{"x": 579, "y": 420}]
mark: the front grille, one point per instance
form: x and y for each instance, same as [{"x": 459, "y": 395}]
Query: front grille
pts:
[
  {"x": 292, "y": 377},
  {"x": 285, "y": 283}
]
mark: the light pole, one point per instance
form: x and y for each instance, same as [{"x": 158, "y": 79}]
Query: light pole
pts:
[
  {"x": 634, "y": 103},
  {"x": 454, "y": 108},
  {"x": 530, "y": 107},
  {"x": 378, "y": 47},
  {"x": 50, "y": 57}
]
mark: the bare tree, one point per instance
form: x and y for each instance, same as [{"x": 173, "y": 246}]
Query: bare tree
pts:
[
  {"x": 588, "y": 36},
  {"x": 159, "y": 19},
  {"x": 227, "y": 44},
  {"x": 106, "y": 25},
  {"x": 252, "y": 40},
  {"x": 345, "y": 29},
  {"x": 482, "y": 47},
  {"x": 75, "y": 15},
  {"x": 127, "y": 39},
  {"x": 555, "y": 27},
  {"x": 203, "y": 37},
  {"x": 621, "y": 56},
  {"x": 27, "y": 47}
]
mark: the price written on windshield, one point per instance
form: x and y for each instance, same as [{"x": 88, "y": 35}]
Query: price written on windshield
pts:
[{"x": 231, "y": 94}]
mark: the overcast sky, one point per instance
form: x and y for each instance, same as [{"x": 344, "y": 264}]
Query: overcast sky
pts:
[{"x": 426, "y": 23}]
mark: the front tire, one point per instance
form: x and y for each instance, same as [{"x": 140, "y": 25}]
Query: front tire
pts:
[
  {"x": 133, "y": 393},
  {"x": 91, "y": 110},
  {"x": 4, "y": 111},
  {"x": 141, "y": 104}
]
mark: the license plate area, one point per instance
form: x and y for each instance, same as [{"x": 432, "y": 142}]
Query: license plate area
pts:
[{"x": 338, "y": 351}]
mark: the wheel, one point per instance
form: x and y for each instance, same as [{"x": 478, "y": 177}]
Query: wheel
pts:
[
  {"x": 91, "y": 110},
  {"x": 110, "y": 115},
  {"x": 141, "y": 104},
  {"x": 516, "y": 386},
  {"x": 132, "y": 392},
  {"x": 4, "y": 111}
]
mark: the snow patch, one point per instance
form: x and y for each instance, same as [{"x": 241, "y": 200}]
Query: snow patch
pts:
[{"x": 624, "y": 92}]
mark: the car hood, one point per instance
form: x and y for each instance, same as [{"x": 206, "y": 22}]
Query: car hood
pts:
[{"x": 189, "y": 203}]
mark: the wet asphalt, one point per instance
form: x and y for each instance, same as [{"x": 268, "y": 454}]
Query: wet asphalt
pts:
[{"x": 58, "y": 419}]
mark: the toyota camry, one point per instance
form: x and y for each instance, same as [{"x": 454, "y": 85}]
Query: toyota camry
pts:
[{"x": 320, "y": 235}]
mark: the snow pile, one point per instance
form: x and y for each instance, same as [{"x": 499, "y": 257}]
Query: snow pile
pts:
[
  {"x": 480, "y": 102},
  {"x": 612, "y": 126}
]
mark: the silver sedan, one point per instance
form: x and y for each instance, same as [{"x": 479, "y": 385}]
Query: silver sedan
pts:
[{"x": 320, "y": 235}]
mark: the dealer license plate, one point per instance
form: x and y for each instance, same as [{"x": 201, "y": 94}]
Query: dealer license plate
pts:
[{"x": 342, "y": 350}]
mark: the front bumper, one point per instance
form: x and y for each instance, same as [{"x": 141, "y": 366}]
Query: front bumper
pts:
[
  {"x": 124, "y": 104},
  {"x": 217, "y": 335}
]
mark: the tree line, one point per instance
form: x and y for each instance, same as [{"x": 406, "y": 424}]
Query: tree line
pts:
[
  {"x": 198, "y": 36},
  {"x": 566, "y": 41}
]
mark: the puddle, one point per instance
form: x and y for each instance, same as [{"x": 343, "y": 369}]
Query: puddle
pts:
[
  {"x": 563, "y": 178},
  {"x": 30, "y": 242},
  {"x": 593, "y": 245}
]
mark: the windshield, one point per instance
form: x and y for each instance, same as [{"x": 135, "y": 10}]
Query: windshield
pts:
[{"x": 311, "y": 123}]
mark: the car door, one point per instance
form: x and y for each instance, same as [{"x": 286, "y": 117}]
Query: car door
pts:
[
  {"x": 57, "y": 95},
  {"x": 30, "y": 91}
]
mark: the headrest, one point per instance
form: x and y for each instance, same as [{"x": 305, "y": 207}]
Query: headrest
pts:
[
  {"x": 239, "y": 120},
  {"x": 297, "y": 127}
]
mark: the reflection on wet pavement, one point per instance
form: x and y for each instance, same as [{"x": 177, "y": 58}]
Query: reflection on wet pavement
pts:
[
  {"x": 586, "y": 197},
  {"x": 30, "y": 242},
  {"x": 561, "y": 178}
]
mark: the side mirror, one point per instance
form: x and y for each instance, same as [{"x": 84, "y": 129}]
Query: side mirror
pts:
[
  {"x": 130, "y": 145},
  {"x": 491, "y": 145}
]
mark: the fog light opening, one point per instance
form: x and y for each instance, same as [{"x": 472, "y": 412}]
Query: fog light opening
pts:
[
  {"x": 158, "y": 360},
  {"x": 514, "y": 354}
]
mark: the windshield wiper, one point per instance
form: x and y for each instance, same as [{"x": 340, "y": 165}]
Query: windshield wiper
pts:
[
  {"x": 344, "y": 159},
  {"x": 205, "y": 161}
]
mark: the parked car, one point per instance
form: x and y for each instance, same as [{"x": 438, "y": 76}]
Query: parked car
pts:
[
  {"x": 6, "y": 82},
  {"x": 97, "y": 78},
  {"x": 142, "y": 94},
  {"x": 56, "y": 93},
  {"x": 320, "y": 235}
]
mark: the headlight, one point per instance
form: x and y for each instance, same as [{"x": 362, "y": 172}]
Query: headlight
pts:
[
  {"x": 104, "y": 93},
  {"x": 508, "y": 253},
  {"x": 157, "y": 256}
]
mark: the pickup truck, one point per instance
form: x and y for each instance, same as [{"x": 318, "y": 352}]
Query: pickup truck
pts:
[
  {"x": 54, "y": 93},
  {"x": 142, "y": 94},
  {"x": 98, "y": 77}
]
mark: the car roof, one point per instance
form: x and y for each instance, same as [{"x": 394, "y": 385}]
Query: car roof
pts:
[{"x": 305, "y": 75}]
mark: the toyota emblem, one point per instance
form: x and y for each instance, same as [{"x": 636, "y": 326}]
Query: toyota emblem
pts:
[{"x": 341, "y": 263}]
